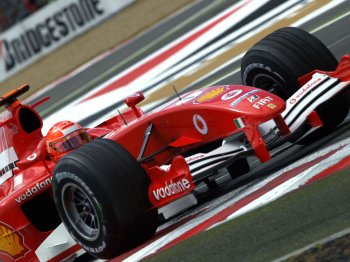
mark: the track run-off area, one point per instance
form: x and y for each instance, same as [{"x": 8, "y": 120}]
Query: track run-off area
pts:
[{"x": 204, "y": 48}]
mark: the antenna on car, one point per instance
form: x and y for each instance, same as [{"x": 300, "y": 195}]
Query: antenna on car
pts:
[
  {"x": 121, "y": 115},
  {"x": 178, "y": 95}
]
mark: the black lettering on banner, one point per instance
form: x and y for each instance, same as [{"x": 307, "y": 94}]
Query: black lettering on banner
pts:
[
  {"x": 97, "y": 10},
  {"x": 27, "y": 49},
  {"x": 86, "y": 8},
  {"x": 76, "y": 14},
  {"x": 51, "y": 28},
  {"x": 21, "y": 48},
  {"x": 44, "y": 38},
  {"x": 16, "y": 45},
  {"x": 8, "y": 55},
  {"x": 62, "y": 25},
  {"x": 69, "y": 18},
  {"x": 33, "y": 40}
]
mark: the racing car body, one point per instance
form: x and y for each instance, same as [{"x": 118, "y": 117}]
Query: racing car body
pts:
[{"x": 107, "y": 192}]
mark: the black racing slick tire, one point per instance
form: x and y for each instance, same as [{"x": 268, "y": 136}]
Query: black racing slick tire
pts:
[
  {"x": 277, "y": 61},
  {"x": 101, "y": 195}
]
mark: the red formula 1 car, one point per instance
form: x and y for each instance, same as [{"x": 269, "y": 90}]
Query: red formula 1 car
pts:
[{"x": 108, "y": 193}]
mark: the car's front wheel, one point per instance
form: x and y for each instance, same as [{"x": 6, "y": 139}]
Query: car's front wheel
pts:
[
  {"x": 277, "y": 61},
  {"x": 101, "y": 195}
]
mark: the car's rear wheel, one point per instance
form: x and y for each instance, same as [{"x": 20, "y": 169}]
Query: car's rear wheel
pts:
[
  {"x": 101, "y": 195},
  {"x": 277, "y": 61}
]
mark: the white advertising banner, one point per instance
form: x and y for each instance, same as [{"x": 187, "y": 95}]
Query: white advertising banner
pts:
[{"x": 49, "y": 28}]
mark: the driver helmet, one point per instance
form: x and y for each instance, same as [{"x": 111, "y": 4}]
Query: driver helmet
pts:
[{"x": 63, "y": 137}]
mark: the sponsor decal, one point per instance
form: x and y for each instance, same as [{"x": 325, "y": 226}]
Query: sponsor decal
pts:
[
  {"x": 231, "y": 94},
  {"x": 12, "y": 242},
  {"x": 207, "y": 96},
  {"x": 34, "y": 190},
  {"x": 32, "y": 157},
  {"x": 171, "y": 189},
  {"x": 53, "y": 29},
  {"x": 194, "y": 157},
  {"x": 8, "y": 159},
  {"x": 272, "y": 106},
  {"x": 253, "y": 98},
  {"x": 239, "y": 123},
  {"x": 189, "y": 97},
  {"x": 200, "y": 124},
  {"x": 92, "y": 249},
  {"x": 239, "y": 99},
  {"x": 263, "y": 102},
  {"x": 304, "y": 90}
]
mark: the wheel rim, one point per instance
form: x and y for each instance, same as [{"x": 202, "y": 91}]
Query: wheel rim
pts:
[
  {"x": 270, "y": 84},
  {"x": 80, "y": 211}
]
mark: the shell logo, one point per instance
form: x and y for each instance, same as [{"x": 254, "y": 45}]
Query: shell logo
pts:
[
  {"x": 11, "y": 242},
  {"x": 207, "y": 96}
]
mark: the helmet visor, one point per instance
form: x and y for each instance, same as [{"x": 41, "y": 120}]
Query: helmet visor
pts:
[{"x": 71, "y": 141}]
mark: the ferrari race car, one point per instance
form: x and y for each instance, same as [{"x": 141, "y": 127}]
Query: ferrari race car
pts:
[{"x": 109, "y": 192}]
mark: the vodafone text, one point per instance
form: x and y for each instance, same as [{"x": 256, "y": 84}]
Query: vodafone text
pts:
[
  {"x": 172, "y": 189},
  {"x": 35, "y": 189},
  {"x": 304, "y": 90}
]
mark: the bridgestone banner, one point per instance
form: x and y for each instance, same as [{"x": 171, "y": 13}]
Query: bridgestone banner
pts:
[{"x": 49, "y": 28}]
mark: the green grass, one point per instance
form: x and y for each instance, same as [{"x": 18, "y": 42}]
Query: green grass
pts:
[{"x": 272, "y": 231}]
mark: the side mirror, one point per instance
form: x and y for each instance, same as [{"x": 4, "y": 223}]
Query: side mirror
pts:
[{"x": 133, "y": 100}]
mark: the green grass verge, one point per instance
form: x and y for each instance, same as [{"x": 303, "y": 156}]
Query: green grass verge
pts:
[{"x": 272, "y": 231}]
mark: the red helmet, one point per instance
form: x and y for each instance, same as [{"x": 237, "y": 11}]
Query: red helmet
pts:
[{"x": 63, "y": 137}]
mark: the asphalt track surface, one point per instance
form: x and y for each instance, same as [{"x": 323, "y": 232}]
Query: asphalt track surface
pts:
[{"x": 335, "y": 35}]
